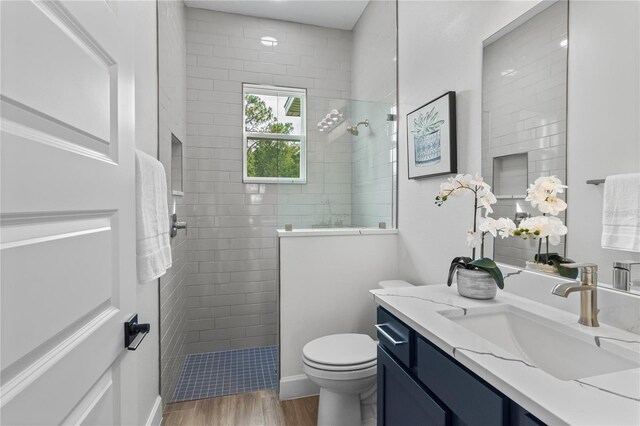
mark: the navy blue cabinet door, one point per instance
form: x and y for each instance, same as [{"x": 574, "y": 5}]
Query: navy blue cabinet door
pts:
[
  {"x": 402, "y": 401},
  {"x": 470, "y": 399}
]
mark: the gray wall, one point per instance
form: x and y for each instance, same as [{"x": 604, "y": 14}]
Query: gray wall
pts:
[
  {"x": 231, "y": 285},
  {"x": 172, "y": 119}
]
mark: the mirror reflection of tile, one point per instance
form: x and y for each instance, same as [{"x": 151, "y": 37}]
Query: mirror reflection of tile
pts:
[{"x": 524, "y": 118}]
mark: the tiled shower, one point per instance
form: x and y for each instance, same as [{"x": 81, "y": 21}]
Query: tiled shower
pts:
[{"x": 222, "y": 319}]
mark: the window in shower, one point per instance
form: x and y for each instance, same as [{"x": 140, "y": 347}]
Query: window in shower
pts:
[{"x": 274, "y": 134}]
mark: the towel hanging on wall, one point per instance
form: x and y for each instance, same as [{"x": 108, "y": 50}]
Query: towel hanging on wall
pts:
[
  {"x": 153, "y": 249},
  {"x": 621, "y": 212}
]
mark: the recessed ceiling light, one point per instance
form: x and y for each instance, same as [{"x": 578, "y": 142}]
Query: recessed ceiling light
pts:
[{"x": 269, "y": 41}]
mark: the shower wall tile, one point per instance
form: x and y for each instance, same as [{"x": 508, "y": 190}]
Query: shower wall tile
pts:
[
  {"x": 231, "y": 241},
  {"x": 173, "y": 120}
]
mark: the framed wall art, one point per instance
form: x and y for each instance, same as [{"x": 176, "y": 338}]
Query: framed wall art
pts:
[{"x": 431, "y": 138}]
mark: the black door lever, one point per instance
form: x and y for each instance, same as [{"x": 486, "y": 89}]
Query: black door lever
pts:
[{"x": 134, "y": 333}]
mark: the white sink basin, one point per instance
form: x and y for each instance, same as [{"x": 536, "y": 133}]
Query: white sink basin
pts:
[{"x": 559, "y": 350}]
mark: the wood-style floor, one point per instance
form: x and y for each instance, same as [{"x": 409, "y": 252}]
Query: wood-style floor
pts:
[{"x": 247, "y": 409}]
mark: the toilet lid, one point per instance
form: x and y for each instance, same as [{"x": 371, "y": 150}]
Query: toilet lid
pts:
[{"x": 341, "y": 349}]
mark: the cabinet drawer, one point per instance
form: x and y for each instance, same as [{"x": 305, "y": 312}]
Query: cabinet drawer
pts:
[
  {"x": 521, "y": 417},
  {"x": 471, "y": 400},
  {"x": 402, "y": 401},
  {"x": 394, "y": 336}
]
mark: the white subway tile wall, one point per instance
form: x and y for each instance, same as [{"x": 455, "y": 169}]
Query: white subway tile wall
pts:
[
  {"x": 172, "y": 120},
  {"x": 231, "y": 284},
  {"x": 524, "y": 111}
]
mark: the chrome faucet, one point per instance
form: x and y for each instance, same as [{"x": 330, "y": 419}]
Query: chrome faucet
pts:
[
  {"x": 622, "y": 274},
  {"x": 588, "y": 289}
]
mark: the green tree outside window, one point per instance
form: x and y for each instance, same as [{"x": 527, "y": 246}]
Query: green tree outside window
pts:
[{"x": 269, "y": 157}]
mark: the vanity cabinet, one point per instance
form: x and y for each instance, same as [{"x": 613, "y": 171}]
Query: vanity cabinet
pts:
[
  {"x": 419, "y": 384},
  {"x": 402, "y": 400}
]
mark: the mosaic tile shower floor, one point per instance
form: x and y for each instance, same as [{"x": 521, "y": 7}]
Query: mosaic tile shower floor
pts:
[{"x": 226, "y": 373}]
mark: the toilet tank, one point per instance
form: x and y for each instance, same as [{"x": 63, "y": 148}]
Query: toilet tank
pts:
[{"x": 394, "y": 284}]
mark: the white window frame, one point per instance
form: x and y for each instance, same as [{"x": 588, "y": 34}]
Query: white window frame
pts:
[{"x": 260, "y": 89}]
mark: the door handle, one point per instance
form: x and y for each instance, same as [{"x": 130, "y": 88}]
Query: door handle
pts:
[{"x": 134, "y": 333}]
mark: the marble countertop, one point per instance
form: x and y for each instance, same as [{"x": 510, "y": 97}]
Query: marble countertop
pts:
[{"x": 607, "y": 399}]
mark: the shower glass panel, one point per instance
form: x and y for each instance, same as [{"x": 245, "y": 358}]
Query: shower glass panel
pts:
[{"x": 351, "y": 151}]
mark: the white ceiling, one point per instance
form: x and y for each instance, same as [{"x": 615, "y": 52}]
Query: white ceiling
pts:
[{"x": 338, "y": 14}]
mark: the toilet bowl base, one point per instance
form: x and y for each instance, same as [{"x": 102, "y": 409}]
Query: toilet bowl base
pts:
[{"x": 339, "y": 409}]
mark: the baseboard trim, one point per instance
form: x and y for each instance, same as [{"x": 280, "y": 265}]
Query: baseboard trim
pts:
[
  {"x": 155, "y": 416},
  {"x": 299, "y": 386}
]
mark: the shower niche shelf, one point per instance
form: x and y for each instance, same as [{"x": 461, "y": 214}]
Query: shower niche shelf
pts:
[
  {"x": 176, "y": 166},
  {"x": 510, "y": 176}
]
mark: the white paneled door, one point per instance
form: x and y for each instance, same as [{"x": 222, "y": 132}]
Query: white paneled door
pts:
[{"x": 67, "y": 212}]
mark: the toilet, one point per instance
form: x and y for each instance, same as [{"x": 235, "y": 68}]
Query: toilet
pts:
[{"x": 344, "y": 366}]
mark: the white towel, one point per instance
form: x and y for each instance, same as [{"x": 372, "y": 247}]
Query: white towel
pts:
[
  {"x": 153, "y": 249},
  {"x": 621, "y": 213}
]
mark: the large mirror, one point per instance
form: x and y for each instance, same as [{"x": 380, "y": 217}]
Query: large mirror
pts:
[{"x": 561, "y": 97}]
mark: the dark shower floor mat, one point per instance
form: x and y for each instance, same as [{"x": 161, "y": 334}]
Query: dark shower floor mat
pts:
[{"x": 226, "y": 373}]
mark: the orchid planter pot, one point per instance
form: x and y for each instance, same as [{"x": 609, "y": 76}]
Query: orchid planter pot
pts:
[{"x": 476, "y": 284}]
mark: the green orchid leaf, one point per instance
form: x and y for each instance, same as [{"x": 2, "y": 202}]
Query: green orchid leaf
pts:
[
  {"x": 452, "y": 269},
  {"x": 556, "y": 260},
  {"x": 458, "y": 262},
  {"x": 490, "y": 266},
  {"x": 542, "y": 257},
  {"x": 566, "y": 272}
]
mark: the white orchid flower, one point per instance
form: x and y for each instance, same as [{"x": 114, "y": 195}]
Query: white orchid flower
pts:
[
  {"x": 533, "y": 227},
  {"x": 505, "y": 226},
  {"x": 552, "y": 205},
  {"x": 535, "y": 196},
  {"x": 489, "y": 224},
  {"x": 556, "y": 230},
  {"x": 449, "y": 188},
  {"x": 486, "y": 201},
  {"x": 550, "y": 185},
  {"x": 543, "y": 188},
  {"x": 483, "y": 199},
  {"x": 473, "y": 238},
  {"x": 541, "y": 227},
  {"x": 464, "y": 180},
  {"x": 479, "y": 182}
]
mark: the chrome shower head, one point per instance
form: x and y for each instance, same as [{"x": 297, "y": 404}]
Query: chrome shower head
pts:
[{"x": 354, "y": 129}]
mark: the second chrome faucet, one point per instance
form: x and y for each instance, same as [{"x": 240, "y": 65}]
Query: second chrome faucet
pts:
[{"x": 588, "y": 289}]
